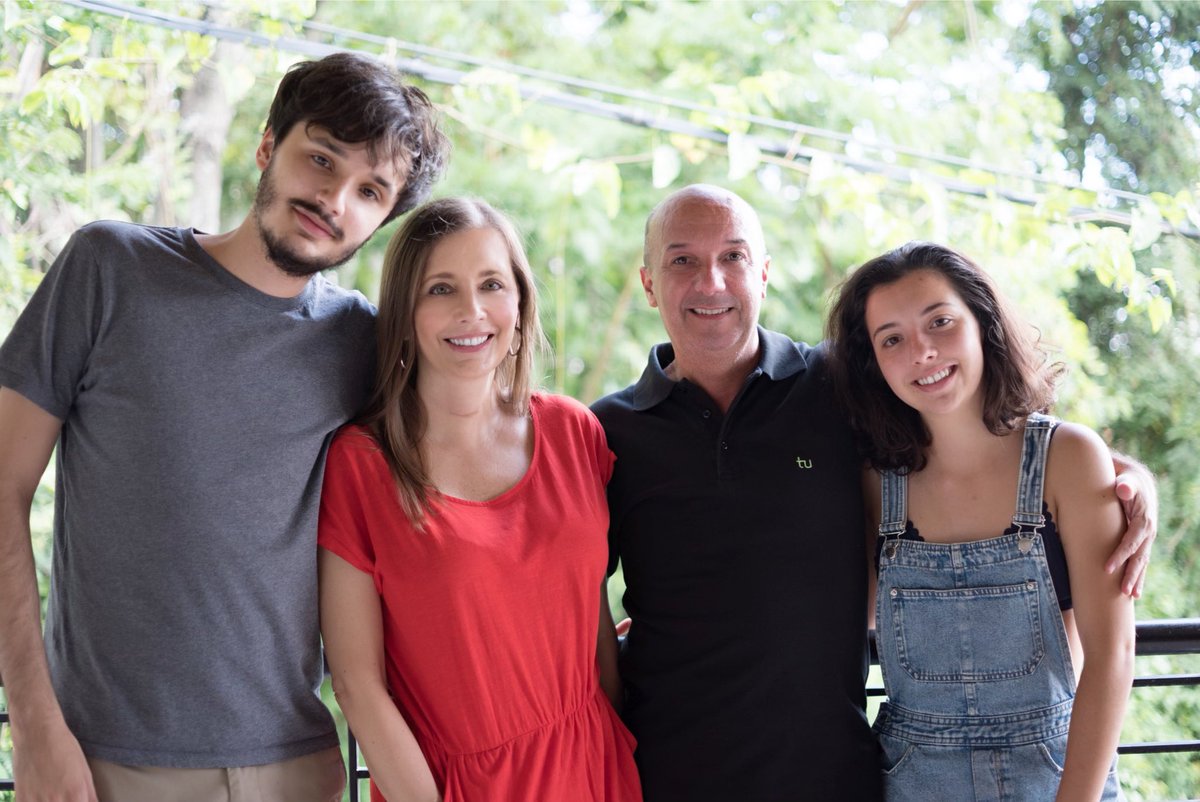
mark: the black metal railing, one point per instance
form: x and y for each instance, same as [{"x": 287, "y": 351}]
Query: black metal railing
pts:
[{"x": 1162, "y": 637}]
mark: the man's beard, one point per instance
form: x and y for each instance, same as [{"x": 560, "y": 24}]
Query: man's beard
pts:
[{"x": 278, "y": 250}]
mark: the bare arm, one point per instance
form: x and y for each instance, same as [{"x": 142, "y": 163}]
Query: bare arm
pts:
[
  {"x": 1081, "y": 481},
  {"x": 352, "y": 628},
  {"x": 606, "y": 652},
  {"x": 1138, "y": 494},
  {"x": 47, "y": 761}
]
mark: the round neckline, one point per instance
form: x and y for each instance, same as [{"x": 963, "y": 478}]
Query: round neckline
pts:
[{"x": 535, "y": 401}]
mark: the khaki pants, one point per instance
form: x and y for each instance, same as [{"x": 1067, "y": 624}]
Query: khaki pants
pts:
[{"x": 319, "y": 777}]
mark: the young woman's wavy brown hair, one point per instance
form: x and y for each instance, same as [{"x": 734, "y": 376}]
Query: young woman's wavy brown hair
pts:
[
  {"x": 1017, "y": 379},
  {"x": 394, "y": 414}
]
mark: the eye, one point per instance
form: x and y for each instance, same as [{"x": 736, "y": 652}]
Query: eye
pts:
[
  {"x": 493, "y": 284},
  {"x": 439, "y": 289},
  {"x": 889, "y": 341},
  {"x": 737, "y": 256},
  {"x": 679, "y": 260},
  {"x": 370, "y": 193},
  {"x": 321, "y": 161},
  {"x": 939, "y": 322}
]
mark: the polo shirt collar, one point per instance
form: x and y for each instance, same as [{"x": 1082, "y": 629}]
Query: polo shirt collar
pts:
[{"x": 780, "y": 358}]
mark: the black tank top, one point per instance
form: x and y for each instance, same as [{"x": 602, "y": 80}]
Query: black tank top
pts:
[{"x": 1056, "y": 559}]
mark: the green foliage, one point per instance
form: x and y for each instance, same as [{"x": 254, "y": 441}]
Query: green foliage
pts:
[{"x": 1125, "y": 72}]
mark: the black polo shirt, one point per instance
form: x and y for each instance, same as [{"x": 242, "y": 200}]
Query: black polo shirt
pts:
[{"x": 741, "y": 537}]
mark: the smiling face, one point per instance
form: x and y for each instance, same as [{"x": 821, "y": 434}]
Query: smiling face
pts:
[
  {"x": 706, "y": 273},
  {"x": 319, "y": 199},
  {"x": 927, "y": 344},
  {"x": 467, "y": 306}
]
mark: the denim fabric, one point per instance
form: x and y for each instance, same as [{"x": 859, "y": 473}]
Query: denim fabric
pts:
[{"x": 974, "y": 656}]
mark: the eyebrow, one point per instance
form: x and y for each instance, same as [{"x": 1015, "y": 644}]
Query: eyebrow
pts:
[
  {"x": 676, "y": 246},
  {"x": 338, "y": 150},
  {"x": 924, "y": 311},
  {"x": 446, "y": 274}
]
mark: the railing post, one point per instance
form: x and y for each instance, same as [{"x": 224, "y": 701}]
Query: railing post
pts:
[{"x": 352, "y": 764}]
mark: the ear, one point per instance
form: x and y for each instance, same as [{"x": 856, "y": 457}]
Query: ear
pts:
[
  {"x": 766, "y": 267},
  {"x": 648, "y": 286},
  {"x": 265, "y": 148}
]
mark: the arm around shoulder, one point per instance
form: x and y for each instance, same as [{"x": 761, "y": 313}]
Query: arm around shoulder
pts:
[{"x": 1135, "y": 487}]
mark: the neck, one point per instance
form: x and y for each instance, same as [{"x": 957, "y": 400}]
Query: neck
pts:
[
  {"x": 459, "y": 410},
  {"x": 243, "y": 254},
  {"x": 960, "y": 441},
  {"x": 721, "y": 385},
  {"x": 721, "y": 376}
]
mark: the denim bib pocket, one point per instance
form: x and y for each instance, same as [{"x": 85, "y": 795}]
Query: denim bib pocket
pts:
[{"x": 968, "y": 634}]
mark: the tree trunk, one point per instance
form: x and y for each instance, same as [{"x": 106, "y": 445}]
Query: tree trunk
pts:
[{"x": 206, "y": 113}]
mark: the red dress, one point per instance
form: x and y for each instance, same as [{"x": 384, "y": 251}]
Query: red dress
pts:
[{"x": 490, "y": 616}]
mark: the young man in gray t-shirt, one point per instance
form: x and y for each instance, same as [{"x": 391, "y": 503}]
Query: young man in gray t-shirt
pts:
[{"x": 190, "y": 382}]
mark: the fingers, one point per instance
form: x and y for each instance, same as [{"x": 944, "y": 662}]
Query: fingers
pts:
[
  {"x": 1126, "y": 488},
  {"x": 1133, "y": 540},
  {"x": 1134, "y": 578},
  {"x": 623, "y": 627}
]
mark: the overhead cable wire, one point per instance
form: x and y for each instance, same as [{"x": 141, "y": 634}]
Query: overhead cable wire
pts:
[{"x": 657, "y": 119}]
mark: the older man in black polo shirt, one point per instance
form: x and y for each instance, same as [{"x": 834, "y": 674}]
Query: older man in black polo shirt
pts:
[{"x": 736, "y": 512}]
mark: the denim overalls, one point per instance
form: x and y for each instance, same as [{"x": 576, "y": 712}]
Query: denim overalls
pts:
[{"x": 974, "y": 655}]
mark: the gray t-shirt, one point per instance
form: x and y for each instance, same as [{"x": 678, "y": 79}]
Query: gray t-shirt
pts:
[{"x": 182, "y": 623}]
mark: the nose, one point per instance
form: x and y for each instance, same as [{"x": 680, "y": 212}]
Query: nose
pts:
[
  {"x": 470, "y": 306},
  {"x": 711, "y": 279},
  {"x": 922, "y": 349},
  {"x": 333, "y": 197}
]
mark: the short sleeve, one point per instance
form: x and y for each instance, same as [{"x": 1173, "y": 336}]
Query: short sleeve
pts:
[
  {"x": 46, "y": 355},
  {"x": 342, "y": 525},
  {"x": 604, "y": 456}
]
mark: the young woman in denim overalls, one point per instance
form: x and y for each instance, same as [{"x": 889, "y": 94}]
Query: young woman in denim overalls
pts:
[{"x": 993, "y": 694}]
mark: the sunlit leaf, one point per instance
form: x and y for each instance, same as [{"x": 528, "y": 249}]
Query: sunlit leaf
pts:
[
  {"x": 820, "y": 171},
  {"x": 666, "y": 167},
  {"x": 1158, "y": 311},
  {"x": 744, "y": 156},
  {"x": 1166, "y": 278},
  {"x": 1146, "y": 226},
  {"x": 109, "y": 68},
  {"x": 69, "y": 51},
  {"x": 198, "y": 46},
  {"x": 32, "y": 101}
]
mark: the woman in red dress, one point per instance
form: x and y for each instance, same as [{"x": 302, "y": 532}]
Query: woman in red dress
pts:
[{"x": 463, "y": 536}]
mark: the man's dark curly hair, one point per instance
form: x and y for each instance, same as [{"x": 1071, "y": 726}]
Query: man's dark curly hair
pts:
[
  {"x": 360, "y": 99},
  {"x": 1017, "y": 380}
]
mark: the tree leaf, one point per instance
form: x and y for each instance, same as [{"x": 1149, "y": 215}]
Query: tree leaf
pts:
[
  {"x": 1158, "y": 310},
  {"x": 1146, "y": 227},
  {"x": 744, "y": 156},
  {"x": 666, "y": 167}
]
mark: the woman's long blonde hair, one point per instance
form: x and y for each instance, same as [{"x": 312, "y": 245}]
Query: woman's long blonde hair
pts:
[{"x": 394, "y": 413}]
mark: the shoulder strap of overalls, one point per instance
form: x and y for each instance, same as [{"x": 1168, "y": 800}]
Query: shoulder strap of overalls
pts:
[
  {"x": 1032, "y": 479},
  {"x": 893, "y": 503}
]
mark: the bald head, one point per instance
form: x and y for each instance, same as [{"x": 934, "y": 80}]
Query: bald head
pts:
[{"x": 698, "y": 194}]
